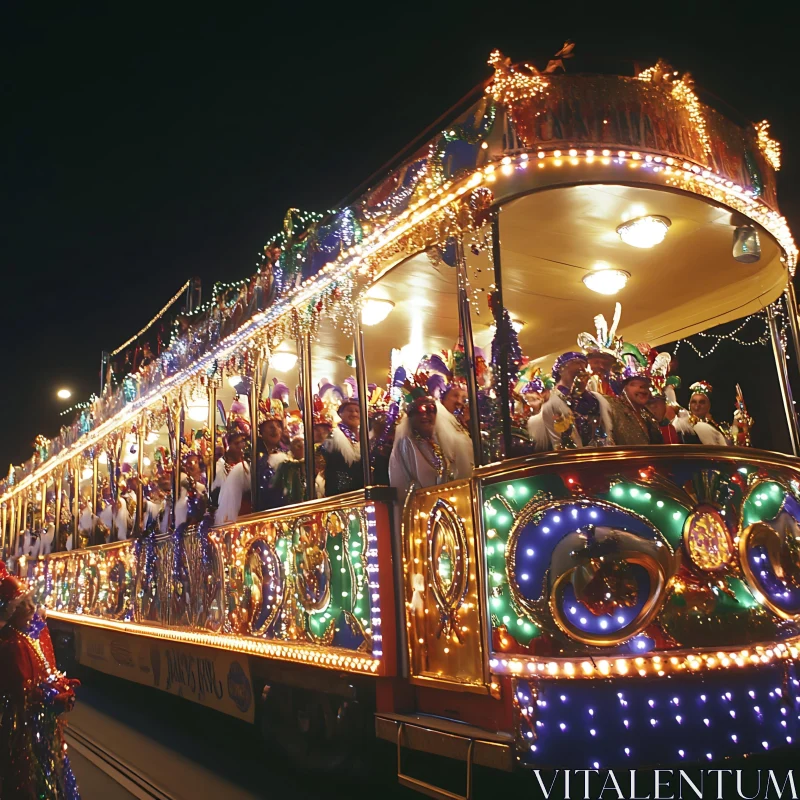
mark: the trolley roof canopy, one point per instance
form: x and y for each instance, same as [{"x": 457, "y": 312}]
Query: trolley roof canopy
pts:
[{"x": 550, "y": 240}]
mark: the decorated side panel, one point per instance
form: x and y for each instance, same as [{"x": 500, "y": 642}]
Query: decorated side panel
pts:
[
  {"x": 443, "y": 614},
  {"x": 615, "y": 565},
  {"x": 302, "y": 587},
  {"x": 607, "y": 576}
]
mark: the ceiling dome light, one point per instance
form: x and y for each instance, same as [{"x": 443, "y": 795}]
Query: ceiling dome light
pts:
[
  {"x": 375, "y": 310},
  {"x": 746, "y": 245},
  {"x": 282, "y": 362},
  {"x": 644, "y": 232},
  {"x": 606, "y": 281},
  {"x": 197, "y": 408},
  {"x": 234, "y": 381}
]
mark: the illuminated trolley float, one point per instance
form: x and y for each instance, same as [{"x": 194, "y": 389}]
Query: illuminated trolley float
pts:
[{"x": 590, "y": 606}]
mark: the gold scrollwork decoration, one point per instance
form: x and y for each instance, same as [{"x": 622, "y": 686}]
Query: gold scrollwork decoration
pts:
[
  {"x": 777, "y": 550},
  {"x": 264, "y": 580},
  {"x": 448, "y": 565}
]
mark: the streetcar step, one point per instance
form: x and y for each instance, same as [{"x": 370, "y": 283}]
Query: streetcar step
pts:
[{"x": 447, "y": 738}]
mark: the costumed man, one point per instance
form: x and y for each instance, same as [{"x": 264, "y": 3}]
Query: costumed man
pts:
[
  {"x": 33, "y": 694},
  {"x": 417, "y": 457},
  {"x": 165, "y": 490},
  {"x": 342, "y": 451},
  {"x": 47, "y": 539},
  {"x": 697, "y": 426},
  {"x": 630, "y": 422},
  {"x": 105, "y": 517},
  {"x": 451, "y": 402},
  {"x": 535, "y": 392},
  {"x": 662, "y": 391},
  {"x": 154, "y": 505},
  {"x": 452, "y": 432},
  {"x": 123, "y": 520},
  {"x": 191, "y": 483},
  {"x": 270, "y": 454},
  {"x": 86, "y": 522},
  {"x": 232, "y": 479},
  {"x": 572, "y": 415}
]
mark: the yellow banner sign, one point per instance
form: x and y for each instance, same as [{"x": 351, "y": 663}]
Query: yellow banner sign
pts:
[{"x": 213, "y": 678}]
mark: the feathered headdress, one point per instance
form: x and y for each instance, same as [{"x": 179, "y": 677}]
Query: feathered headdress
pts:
[
  {"x": 605, "y": 342},
  {"x": 321, "y": 414},
  {"x": 378, "y": 400},
  {"x": 238, "y": 427},
  {"x": 163, "y": 461},
  {"x": 416, "y": 393},
  {"x": 446, "y": 371},
  {"x": 532, "y": 379},
  {"x": 294, "y": 424},
  {"x": 634, "y": 361},
  {"x": 272, "y": 409},
  {"x": 657, "y": 370},
  {"x": 280, "y": 391},
  {"x": 701, "y": 387}
]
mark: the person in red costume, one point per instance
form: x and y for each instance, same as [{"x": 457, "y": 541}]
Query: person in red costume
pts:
[{"x": 33, "y": 694}]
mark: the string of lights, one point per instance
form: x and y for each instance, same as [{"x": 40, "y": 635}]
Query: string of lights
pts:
[
  {"x": 733, "y": 336},
  {"x": 79, "y": 406},
  {"x": 155, "y": 319}
]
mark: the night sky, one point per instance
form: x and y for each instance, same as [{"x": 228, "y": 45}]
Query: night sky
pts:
[{"x": 140, "y": 149}]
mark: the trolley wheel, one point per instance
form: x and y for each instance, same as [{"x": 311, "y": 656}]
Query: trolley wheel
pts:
[{"x": 312, "y": 730}]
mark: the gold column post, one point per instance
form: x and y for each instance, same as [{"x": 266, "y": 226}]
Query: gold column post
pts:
[
  {"x": 783, "y": 379},
  {"x": 176, "y": 483},
  {"x": 76, "y": 506},
  {"x": 308, "y": 414},
  {"x": 140, "y": 426},
  {"x": 43, "y": 509},
  {"x": 255, "y": 396},
  {"x": 23, "y": 526},
  {"x": 363, "y": 400},
  {"x": 95, "y": 470},
  {"x": 794, "y": 323},
  {"x": 59, "y": 482},
  {"x": 3, "y": 521},
  {"x": 211, "y": 466},
  {"x": 465, "y": 319},
  {"x": 12, "y": 533}
]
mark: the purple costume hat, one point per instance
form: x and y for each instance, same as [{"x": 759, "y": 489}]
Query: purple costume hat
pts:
[{"x": 564, "y": 359}]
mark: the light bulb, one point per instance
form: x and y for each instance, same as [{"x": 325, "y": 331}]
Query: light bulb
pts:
[
  {"x": 151, "y": 437},
  {"x": 644, "y": 232},
  {"x": 375, "y": 310},
  {"x": 146, "y": 461},
  {"x": 606, "y": 281},
  {"x": 282, "y": 362},
  {"x": 746, "y": 245},
  {"x": 64, "y": 394},
  {"x": 197, "y": 409},
  {"x": 234, "y": 381},
  {"x": 87, "y": 473}
]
